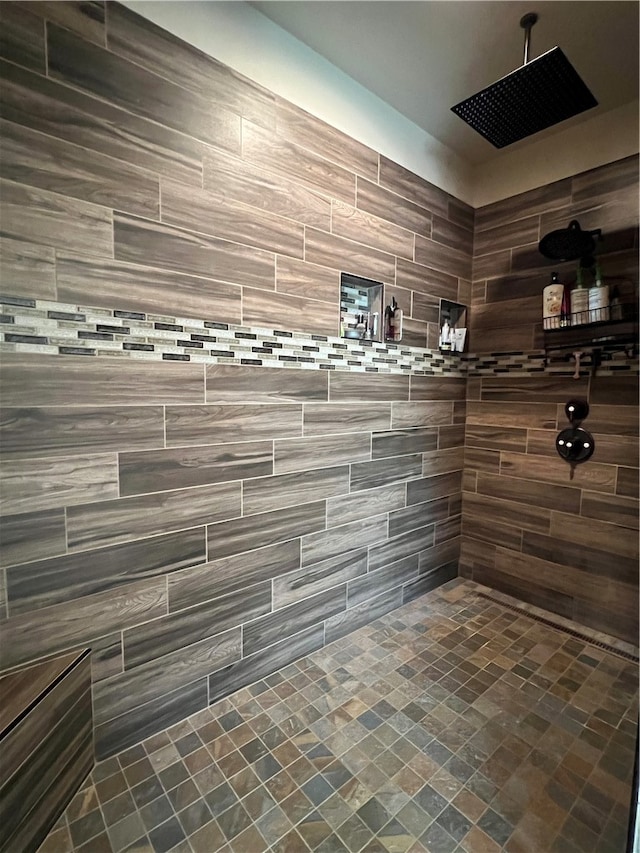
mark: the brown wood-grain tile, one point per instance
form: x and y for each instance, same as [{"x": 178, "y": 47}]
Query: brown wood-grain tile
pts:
[
  {"x": 414, "y": 333},
  {"x": 437, "y": 388},
  {"x": 46, "y": 782},
  {"x": 562, "y": 498},
  {"x": 377, "y": 581},
  {"x": 64, "y": 113},
  {"x": 151, "y": 680},
  {"x": 450, "y": 234},
  {"x": 22, "y": 39},
  {"x": 376, "y": 200},
  {"x": 181, "y": 628},
  {"x": 66, "y": 430},
  {"x": 299, "y": 454},
  {"x": 350, "y": 256},
  {"x": 300, "y": 487},
  {"x": 505, "y": 414},
  {"x": 520, "y": 515},
  {"x": 266, "y": 630},
  {"x": 30, "y": 485},
  {"x": 627, "y": 482},
  {"x": 421, "y": 414},
  {"x": 267, "y": 528},
  {"x": 278, "y": 154},
  {"x": 157, "y": 244},
  {"x": 352, "y": 507},
  {"x": 499, "y": 438},
  {"x": 421, "y": 514},
  {"x": 213, "y": 424},
  {"x": 383, "y": 472},
  {"x": 30, "y": 157},
  {"x": 478, "y": 459},
  {"x": 334, "y": 418},
  {"x": 447, "y": 259},
  {"x": 27, "y": 269},
  {"x": 110, "y": 522},
  {"x": 127, "y": 85},
  {"x": 596, "y": 534},
  {"x": 145, "y": 720},
  {"x": 299, "y": 278},
  {"x": 29, "y": 689},
  {"x": 231, "y": 383},
  {"x": 401, "y": 547},
  {"x": 401, "y": 442},
  {"x": 594, "y": 560},
  {"x": 411, "y": 186},
  {"x": 425, "y": 308},
  {"x": 71, "y": 577},
  {"x": 29, "y": 377},
  {"x": 361, "y": 614},
  {"x": 214, "y": 214},
  {"x": 595, "y": 476},
  {"x": 33, "y": 214},
  {"x": 158, "y": 50},
  {"x": 426, "y": 280},
  {"x": 74, "y": 623},
  {"x": 440, "y": 461},
  {"x": 232, "y": 574},
  {"x": 318, "y": 577},
  {"x": 87, "y": 19},
  {"x": 180, "y": 467},
  {"x": 364, "y": 227},
  {"x": 354, "y": 535},
  {"x": 429, "y": 488},
  {"x": 130, "y": 287},
  {"x": 32, "y": 536},
  {"x": 532, "y": 389},
  {"x": 527, "y": 204},
  {"x": 357, "y": 387},
  {"x": 488, "y": 530},
  {"x": 260, "y": 664},
  {"x": 281, "y": 310},
  {"x": 233, "y": 178},
  {"x": 312, "y": 133},
  {"x": 613, "y": 420}
]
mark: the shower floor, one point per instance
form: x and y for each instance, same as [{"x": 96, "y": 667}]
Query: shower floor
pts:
[{"x": 454, "y": 723}]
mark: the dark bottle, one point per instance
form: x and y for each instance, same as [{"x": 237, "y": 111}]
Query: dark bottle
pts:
[{"x": 565, "y": 309}]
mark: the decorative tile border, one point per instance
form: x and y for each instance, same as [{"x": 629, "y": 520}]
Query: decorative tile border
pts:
[{"x": 56, "y": 328}]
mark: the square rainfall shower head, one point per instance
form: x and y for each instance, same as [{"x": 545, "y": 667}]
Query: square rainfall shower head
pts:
[{"x": 539, "y": 94}]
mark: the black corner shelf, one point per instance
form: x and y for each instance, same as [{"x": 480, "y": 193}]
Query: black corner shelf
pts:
[{"x": 620, "y": 333}]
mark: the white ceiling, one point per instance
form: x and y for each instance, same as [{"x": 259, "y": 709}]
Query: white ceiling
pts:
[{"x": 424, "y": 57}]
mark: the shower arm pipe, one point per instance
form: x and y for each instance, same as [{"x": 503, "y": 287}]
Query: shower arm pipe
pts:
[{"x": 527, "y": 22}]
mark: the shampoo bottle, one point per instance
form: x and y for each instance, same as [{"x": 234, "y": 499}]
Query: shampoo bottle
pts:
[
  {"x": 580, "y": 300},
  {"x": 598, "y": 298},
  {"x": 552, "y": 297}
]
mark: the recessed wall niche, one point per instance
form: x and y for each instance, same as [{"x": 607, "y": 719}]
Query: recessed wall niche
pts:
[{"x": 361, "y": 314}]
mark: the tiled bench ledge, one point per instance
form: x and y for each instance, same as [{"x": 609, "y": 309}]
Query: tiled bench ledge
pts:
[{"x": 46, "y": 743}]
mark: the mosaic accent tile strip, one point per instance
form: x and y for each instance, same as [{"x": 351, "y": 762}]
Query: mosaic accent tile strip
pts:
[
  {"x": 30, "y": 325},
  {"x": 56, "y": 328}
]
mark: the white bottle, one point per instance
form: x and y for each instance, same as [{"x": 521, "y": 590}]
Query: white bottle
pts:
[
  {"x": 552, "y": 303},
  {"x": 598, "y": 299},
  {"x": 445, "y": 336}
]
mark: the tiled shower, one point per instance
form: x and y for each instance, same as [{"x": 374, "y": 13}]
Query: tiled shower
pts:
[{"x": 201, "y": 481}]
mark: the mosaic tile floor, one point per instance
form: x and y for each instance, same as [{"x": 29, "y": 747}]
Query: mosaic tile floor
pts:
[{"x": 451, "y": 724}]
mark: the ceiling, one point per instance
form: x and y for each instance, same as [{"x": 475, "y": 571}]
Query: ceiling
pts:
[{"x": 423, "y": 57}]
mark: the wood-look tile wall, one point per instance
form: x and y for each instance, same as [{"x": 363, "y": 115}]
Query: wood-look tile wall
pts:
[
  {"x": 200, "y": 525},
  {"x": 566, "y": 543},
  {"x": 46, "y": 737}
]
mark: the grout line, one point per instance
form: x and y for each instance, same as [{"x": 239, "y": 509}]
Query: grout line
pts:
[{"x": 559, "y": 627}]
